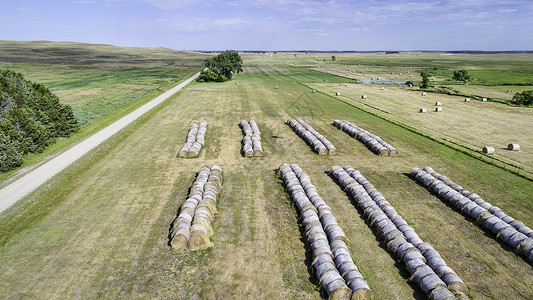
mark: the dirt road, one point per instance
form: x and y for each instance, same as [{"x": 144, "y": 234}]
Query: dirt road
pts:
[{"x": 26, "y": 184}]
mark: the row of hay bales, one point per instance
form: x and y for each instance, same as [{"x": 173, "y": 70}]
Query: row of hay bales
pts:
[
  {"x": 195, "y": 140},
  {"x": 333, "y": 264},
  {"x": 314, "y": 139},
  {"x": 492, "y": 218},
  {"x": 251, "y": 142},
  {"x": 422, "y": 261},
  {"x": 192, "y": 227},
  {"x": 372, "y": 141}
]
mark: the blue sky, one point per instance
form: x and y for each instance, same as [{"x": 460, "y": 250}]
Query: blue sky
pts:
[{"x": 275, "y": 24}]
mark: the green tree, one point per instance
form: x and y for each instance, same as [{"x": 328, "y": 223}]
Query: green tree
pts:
[
  {"x": 31, "y": 118},
  {"x": 10, "y": 156},
  {"x": 425, "y": 80},
  {"x": 524, "y": 98},
  {"x": 461, "y": 75},
  {"x": 333, "y": 58},
  {"x": 221, "y": 67}
]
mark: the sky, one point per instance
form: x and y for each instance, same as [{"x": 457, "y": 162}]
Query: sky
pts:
[{"x": 270, "y": 25}]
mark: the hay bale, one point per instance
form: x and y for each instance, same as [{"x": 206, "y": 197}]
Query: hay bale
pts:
[
  {"x": 276, "y": 87},
  {"x": 423, "y": 93},
  {"x": 484, "y": 99},
  {"x": 438, "y": 103},
  {"x": 441, "y": 293},
  {"x": 513, "y": 147},
  {"x": 423, "y": 110},
  {"x": 467, "y": 99},
  {"x": 363, "y": 96},
  {"x": 438, "y": 109},
  {"x": 488, "y": 150},
  {"x": 199, "y": 238},
  {"x": 313, "y": 91},
  {"x": 337, "y": 94}
]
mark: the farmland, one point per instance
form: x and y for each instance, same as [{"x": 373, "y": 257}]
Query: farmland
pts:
[{"x": 104, "y": 228}]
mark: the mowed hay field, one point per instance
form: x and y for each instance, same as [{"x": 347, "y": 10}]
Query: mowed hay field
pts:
[
  {"x": 108, "y": 236},
  {"x": 473, "y": 124}
]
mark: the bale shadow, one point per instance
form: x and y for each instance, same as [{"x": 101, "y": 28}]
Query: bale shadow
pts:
[{"x": 173, "y": 223}]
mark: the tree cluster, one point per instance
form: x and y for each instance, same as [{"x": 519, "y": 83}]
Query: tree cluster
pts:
[
  {"x": 425, "y": 80},
  {"x": 524, "y": 98},
  {"x": 461, "y": 75},
  {"x": 31, "y": 118},
  {"x": 221, "y": 67}
]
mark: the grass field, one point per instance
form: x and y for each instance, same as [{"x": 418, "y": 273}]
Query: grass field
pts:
[
  {"x": 100, "y": 82},
  {"x": 103, "y": 232}
]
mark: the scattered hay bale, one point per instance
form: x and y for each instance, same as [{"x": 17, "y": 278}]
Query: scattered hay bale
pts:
[
  {"x": 467, "y": 99},
  {"x": 488, "y": 150},
  {"x": 423, "y": 110},
  {"x": 438, "y": 109},
  {"x": 337, "y": 94},
  {"x": 484, "y": 99},
  {"x": 513, "y": 147},
  {"x": 363, "y": 96},
  {"x": 276, "y": 87},
  {"x": 423, "y": 93},
  {"x": 313, "y": 91},
  {"x": 438, "y": 103}
]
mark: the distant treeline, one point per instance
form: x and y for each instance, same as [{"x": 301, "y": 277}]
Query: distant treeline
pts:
[{"x": 31, "y": 118}]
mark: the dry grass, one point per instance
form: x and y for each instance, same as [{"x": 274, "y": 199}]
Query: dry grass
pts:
[
  {"x": 474, "y": 124},
  {"x": 108, "y": 238}
]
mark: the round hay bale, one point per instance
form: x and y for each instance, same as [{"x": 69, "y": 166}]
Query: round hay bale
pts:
[
  {"x": 313, "y": 91},
  {"x": 360, "y": 292},
  {"x": 180, "y": 239},
  {"x": 441, "y": 293},
  {"x": 423, "y": 93},
  {"x": 513, "y": 147},
  {"x": 276, "y": 87},
  {"x": 199, "y": 240},
  {"x": 467, "y": 99},
  {"x": 438, "y": 103},
  {"x": 337, "y": 289},
  {"x": 438, "y": 109},
  {"x": 363, "y": 96},
  {"x": 337, "y": 94},
  {"x": 488, "y": 150},
  {"x": 422, "y": 110},
  {"x": 484, "y": 99}
]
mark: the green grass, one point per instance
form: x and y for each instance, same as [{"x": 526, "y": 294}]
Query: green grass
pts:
[{"x": 100, "y": 82}]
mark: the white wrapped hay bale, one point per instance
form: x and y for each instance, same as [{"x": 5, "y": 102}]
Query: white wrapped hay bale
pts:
[
  {"x": 513, "y": 147},
  {"x": 488, "y": 150}
]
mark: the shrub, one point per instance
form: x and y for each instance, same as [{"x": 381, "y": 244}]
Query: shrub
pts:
[
  {"x": 524, "y": 98},
  {"x": 461, "y": 75}
]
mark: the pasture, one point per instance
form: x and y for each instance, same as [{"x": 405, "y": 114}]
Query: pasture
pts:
[
  {"x": 103, "y": 229},
  {"x": 100, "y": 82}
]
